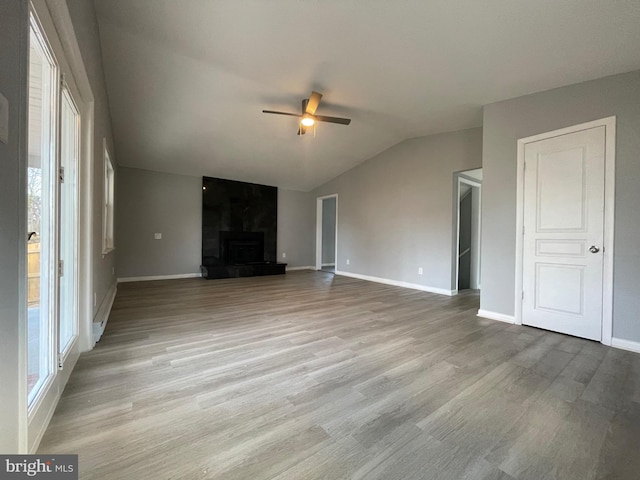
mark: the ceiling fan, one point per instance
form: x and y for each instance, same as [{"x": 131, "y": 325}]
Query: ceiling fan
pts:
[{"x": 308, "y": 118}]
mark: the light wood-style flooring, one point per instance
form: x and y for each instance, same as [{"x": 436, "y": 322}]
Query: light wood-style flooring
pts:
[{"x": 314, "y": 376}]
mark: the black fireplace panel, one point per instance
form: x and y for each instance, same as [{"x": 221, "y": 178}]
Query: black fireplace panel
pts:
[{"x": 239, "y": 222}]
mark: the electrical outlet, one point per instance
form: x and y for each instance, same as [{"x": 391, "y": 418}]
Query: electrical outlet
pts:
[
  {"x": 419, "y": 270},
  {"x": 284, "y": 255},
  {"x": 157, "y": 236},
  {"x": 348, "y": 261}
]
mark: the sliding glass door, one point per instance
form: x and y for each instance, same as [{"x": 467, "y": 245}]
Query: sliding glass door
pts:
[
  {"x": 41, "y": 214},
  {"x": 52, "y": 218}
]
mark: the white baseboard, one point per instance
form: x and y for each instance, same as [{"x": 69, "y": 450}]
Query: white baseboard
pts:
[
  {"x": 100, "y": 322},
  {"x": 629, "y": 345},
  {"x": 158, "y": 277},
  {"x": 306, "y": 267},
  {"x": 397, "y": 283},
  {"x": 33, "y": 446},
  {"x": 501, "y": 317},
  {"x": 328, "y": 265}
]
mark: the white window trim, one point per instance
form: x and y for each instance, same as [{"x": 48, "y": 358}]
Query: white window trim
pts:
[{"x": 108, "y": 221}]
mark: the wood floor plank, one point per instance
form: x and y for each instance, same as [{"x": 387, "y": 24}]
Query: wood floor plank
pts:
[{"x": 314, "y": 376}]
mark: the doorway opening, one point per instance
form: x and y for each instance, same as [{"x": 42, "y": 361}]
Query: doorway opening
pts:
[
  {"x": 327, "y": 233},
  {"x": 467, "y": 206}
]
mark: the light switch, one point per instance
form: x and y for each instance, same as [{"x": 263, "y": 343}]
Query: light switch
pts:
[
  {"x": 157, "y": 236},
  {"x": 4, "y": 119}
]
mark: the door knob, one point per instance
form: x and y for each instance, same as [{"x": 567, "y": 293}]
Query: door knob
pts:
[{"x": 594, "y": 249}]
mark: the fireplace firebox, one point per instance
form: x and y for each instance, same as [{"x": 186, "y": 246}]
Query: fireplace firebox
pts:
[{"x": 242, "y": 248}]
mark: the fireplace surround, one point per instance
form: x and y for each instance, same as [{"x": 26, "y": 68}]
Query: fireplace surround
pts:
[{"x": 239, "y": 229}]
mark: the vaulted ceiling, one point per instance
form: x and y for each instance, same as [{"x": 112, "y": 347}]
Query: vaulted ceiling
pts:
[{"x": 187, "y": 80}]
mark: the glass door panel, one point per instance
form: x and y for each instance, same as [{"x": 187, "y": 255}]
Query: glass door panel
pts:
[
  {"x": 41, "y": 211},
  {"x": 69, "y": 150}
]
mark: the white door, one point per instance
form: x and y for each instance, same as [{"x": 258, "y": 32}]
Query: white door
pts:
[{"x": 564, "y": 232}]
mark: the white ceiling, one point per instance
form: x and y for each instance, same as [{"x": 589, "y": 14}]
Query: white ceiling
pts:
[{"x": 187, "y": 80}]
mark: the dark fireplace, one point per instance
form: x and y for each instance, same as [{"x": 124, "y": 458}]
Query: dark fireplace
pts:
[
  {"x": 239, "y": 229},
  {"x": 242, "y": 248}
]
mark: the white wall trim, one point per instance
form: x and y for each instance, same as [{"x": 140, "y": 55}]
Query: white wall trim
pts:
[
  {"x": 42, "y": 426},
  {"x": 306, "y": 267},
  {"x": 100, "y": 322},
  {"x": 159, "y": 277},
  {"x": 629, "y": 345},
  {"x": 328, "y": 264},
  {"x": 397, "y": 283},
  {"x": 609, "y": 210},
  {"x": 501, "y": 317}
]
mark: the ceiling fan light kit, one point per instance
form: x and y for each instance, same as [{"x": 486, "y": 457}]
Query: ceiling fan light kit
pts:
[
  {"x": 307, "y": 121},
  {"x": 308, "y": 117}
]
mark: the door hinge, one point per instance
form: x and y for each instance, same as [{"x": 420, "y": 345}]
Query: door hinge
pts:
[
  {"x": 61, "y": 174},
  {"x": 63, "y": 83},
  {"x": 61, "y": 268},
  {"x": 60, "y": 363},
  {"x": 522, "y": 294}
]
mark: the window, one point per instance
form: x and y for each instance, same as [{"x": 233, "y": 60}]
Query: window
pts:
[{"x": 107, "y": 230}]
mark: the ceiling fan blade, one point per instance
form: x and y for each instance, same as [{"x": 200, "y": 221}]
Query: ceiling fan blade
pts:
[
  {"x": 281, "y": 113},
  {"x": 341, "y": 121},
  {"x": 312, "y": 105},
  {"x": 302, "y": 130}
]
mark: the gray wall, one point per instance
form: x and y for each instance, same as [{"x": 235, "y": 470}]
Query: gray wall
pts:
[
  {"x": 329, "y": 230},
  {"x": 296, "y": 228},
  {"x": 85, "y": 25},
  {"x": 13, "y": 161},
  {"x": 506, "y": 122},
  {"x": 152, "y": 202},
  {"x": 396, "y": 210}
]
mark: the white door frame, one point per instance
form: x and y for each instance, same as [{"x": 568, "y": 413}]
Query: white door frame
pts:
[
  {"x": 319, "y": 230},
  {"x": 472, "y": 183},
  {"x": 609, "y": 208}
]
